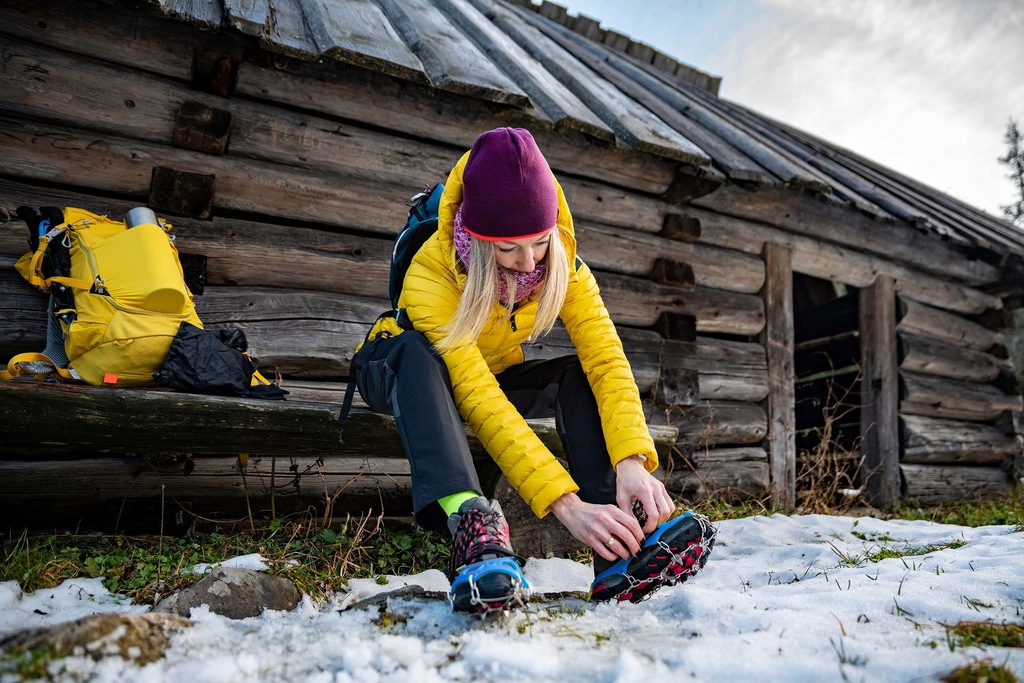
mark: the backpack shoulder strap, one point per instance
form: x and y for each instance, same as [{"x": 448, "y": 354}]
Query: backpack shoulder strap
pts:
[{"x": 23, "y": 363}]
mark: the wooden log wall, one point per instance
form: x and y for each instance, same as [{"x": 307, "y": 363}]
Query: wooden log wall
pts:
[
  {"x": 300, "y": 176},
  {"x": 296, "y": 228},
  {"x": 957, "y": 399}
]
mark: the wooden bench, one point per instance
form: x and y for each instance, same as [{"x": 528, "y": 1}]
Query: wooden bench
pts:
[{"x": 136, "y": 457}]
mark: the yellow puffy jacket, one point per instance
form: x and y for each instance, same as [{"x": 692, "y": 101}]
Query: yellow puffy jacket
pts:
[{"x": 430, "y": 295}]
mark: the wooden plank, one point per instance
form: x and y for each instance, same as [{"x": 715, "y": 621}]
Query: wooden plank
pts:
[
  {"x": 713, "y": 423},
  {"x": 451, "y": 60},
  {"x": 829, "y": 261},
  {"x": 932, "y": 441},
  {"x": 639, "y": 302},
  {"x": 112, "y": 504},
  {"x": 119, "y": 421},
  {"x": 551, "y": 99},
  {"x": 643, "y": 350},
  {"x": 633, "y": 253},
  {"x": 288, "y": 33},
  {"x": 251, "y": 17},
  {"x": 204, "y": 13},
  {"x": 949, "y": 398},
  {"x": 76, "y": 91},
  {"x": 295, "y": 333},
  {"x": 829, "y": 222},
  {"x": 23, "y": 323},
  {"x": 728, "y": 370},
  {"x": 125, "y": 166},
  {"x": 358, "y": 32},
  {"x": 603, "y": 203},
  {"x": 722, "y": 473},
  {"x": 48, "y": 85},
  {"x": 634, "y": 125},
  {"x": 96, "y": 480},
  {"x": 931, "y": 356},
  {"x": 880, "y": 440},
  {"x": 181, "y": 193},
  {"x": 202, "y": 128},
  {"x": 133, "y": 39},
  {"x": 934, "y": 485},
  {"x": 781, "y": 400},
  {"x": 918, "y": 318}
]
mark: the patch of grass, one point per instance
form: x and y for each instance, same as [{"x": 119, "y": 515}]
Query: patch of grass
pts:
[
  {"x": 1007, "y": 509},
  {"x": 145, "y": 568},
  {"x": 981, "y": 671},
  {"x": 986, "y": 633},
  {"x": 1003, "y": 510},
  {"x": 717, "y": 509},
  {"x": 885, "y": 552}
]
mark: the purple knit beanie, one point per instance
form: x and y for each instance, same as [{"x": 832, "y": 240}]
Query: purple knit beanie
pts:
[{"x": 508, "y": 190}]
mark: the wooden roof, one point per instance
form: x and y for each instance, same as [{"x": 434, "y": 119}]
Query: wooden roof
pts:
[{"x": 570, "y": 74}]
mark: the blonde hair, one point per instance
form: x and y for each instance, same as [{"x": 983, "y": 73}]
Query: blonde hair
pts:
[{"x": 483, "y": 289}]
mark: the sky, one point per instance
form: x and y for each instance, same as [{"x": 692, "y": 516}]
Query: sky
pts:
[
  {"x": 783, "y": 598},
  {"x": 924, "y": 87}
]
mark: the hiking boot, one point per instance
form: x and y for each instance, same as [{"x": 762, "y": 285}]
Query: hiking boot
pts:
[
  {"x": 672, "y": 553},
  {"x": 482, "y": 568}
]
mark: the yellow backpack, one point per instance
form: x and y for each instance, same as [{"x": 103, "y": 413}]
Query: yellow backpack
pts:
[{"x": 129, "y": 298}]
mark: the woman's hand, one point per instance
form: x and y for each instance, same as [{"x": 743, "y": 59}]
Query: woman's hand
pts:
[
  {"x": 611, "y": 532},
  {"x": 634, "y": 482}
]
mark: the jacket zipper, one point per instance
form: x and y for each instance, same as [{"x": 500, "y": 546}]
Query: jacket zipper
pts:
[{"x": 513, "y": 321}]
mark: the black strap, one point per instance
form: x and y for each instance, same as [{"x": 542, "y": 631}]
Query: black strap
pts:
[
  {"x": 402, "y": 318},
  {"x": 346, "y": 405}
]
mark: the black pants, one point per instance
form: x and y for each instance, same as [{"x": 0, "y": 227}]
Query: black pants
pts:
[{"x": 404, "y": 376}]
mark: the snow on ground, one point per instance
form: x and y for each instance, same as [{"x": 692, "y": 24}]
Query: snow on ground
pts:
[{"x": 777, "y": 601}]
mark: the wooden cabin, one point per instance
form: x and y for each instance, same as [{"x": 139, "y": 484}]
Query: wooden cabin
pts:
[{"x": 797, "y": 316}]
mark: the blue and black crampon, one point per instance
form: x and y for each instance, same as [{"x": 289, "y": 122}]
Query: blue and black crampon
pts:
[
  {"x": 672, "y": 553},
  {"x": 484, "y": 571}
]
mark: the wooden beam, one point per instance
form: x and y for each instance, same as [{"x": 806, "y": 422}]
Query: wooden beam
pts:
[
  {"x": 675, "y": 273},
  {"x": 727, "y": 473},
  {"x": 921, "y": 319},
  {"x": 814, "y": 255},
  {"x": 202, "y": 128},
  {"x": 156, "y": 421},
  {"x": 822, "y": 220},
  {"x": 632, "y": 252},
  {"x": 728, "y": 370},
  {"x": 934, "y": 441},
  {"x": 680, "y": 228},
  {"x": 181, "y": 193},
  {"x": 677, "y": 387},
  {"x": 676, "y": 326},
  {"x": 778, "y": 343},
  {"x": 936, "y": 484},
  {"x": 956, "y": 399},
  {"x": 713, "y": 423},
  {"x": 633, "y": 301},
  {"x": 880, "y": 393},
  {"x": 214, "y": 71},
  {"x": 935, "y": 357}
]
